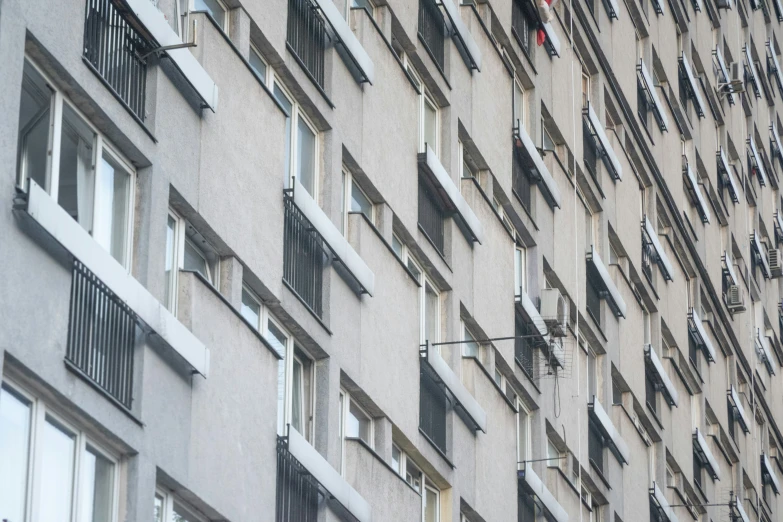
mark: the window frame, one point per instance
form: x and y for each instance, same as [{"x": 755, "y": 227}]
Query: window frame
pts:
[
  {"x": 424, "y": 98},
  {"x": 100, "y": 145},
  {"x": 520, "y": 104},
  {"x": 426, "y": 482},
  {"x": 180, "y": 239},
  {"x": 426, "y": 282},
  {"x": 225, "y": 25},
  {"x": 347, "y": 401},
  {"x": 347, "y": 197},
  {"x": 523, "y": 454},
  {"x": 520, "y": 269},
  {"x": 254, "y": 50},
  {"x": 170, "y": 500}
]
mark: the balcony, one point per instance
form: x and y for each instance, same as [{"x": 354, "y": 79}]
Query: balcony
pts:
[
  {"x": 529, "y": 166},
  {"x": 116, "y": 51},
  {"x": 608, "y": 432},
  {"x": 432, "y": 31},
  {"x": 431, "y": 216},
  {"x": 530, "y": 483},
  {"x": 650, "y": 237},
  {"x": 601, "y": 145},
  {"x": 603, "y": 283},
  {"x": 705, "y": 455},
  {"x": 306, "y": 38}
]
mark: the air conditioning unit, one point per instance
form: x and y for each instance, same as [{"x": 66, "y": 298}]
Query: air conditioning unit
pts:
[
  {"x": 554, "y": 311},
  {"x": 734, "y": 299},
  {"x": 775, "y": 262}
]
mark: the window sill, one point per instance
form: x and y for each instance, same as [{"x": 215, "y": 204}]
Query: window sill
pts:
[
  {"x": 494, "y": 383},
  {"x": 386, "y": 243},
  {"x": 437, "y": 449},
  {"x": 373, "y": 453}
]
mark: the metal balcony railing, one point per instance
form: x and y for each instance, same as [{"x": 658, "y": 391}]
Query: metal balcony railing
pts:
[
  {"x": 101, "y": 335},
  {"x": 307, "y": 37},
  {"x": 432, "y": 30},
  {"x": 116, "y": 50},
  {"x": 521, "y": 182},
  {"x": 431, "y": 216},
  {"x": 297, "y": 490},
  {"x": 432, "y": 410},
  {"x": 304, "y": 255},
  {"x": 648, "y": 258}
]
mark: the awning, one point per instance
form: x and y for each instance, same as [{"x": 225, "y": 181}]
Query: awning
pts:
[
  {"x": 78, "y": 242},
  {"x": 661, "y": 504},
  {"x": 660, "y": 377},
  {"x": 765, "y": 350},
  {"x": 752, "y": 70},
  {"x": 450, "y": 193},
  {"x": 757, "y": 160},
  {"x": 770, "y": 472},
  {"x": 647, "y": 84},
  {"x": 602, "y": 142},
  {"x": 327, "y": 476},
  {"x": 704, "y": 453},
  {"x": 738, "y": 510},
  {"x": 724, "y": 70},
  {"x": 772, "y": 62},
  {"x": 728, "y": 173},
  {"x": 529, "y": 309},
  {"x": 698, "y": 327},
  {"x": 694, "y": 86},
  {"x": 755, "y": 244},
  {"x": 157, "y": 25},
  {"x": 598, "y": 270},
  {"x": 694, "y": 188},
  {"x": 355, "y": 52},
  {"x": 663, "y": 259},
  {"x": 610, "y": 433},
  {"x": 464, "y": 38},
  {"x": 728, "y": 267},
  {"x": 461, "y": 395},
  {"x": 535, "y": 486},
  {"x": 552, "y": 43},
  {"x": 736, "y": 403},
  {"x": 533, "y": 160},
  {"x": 336, "y": 241}
]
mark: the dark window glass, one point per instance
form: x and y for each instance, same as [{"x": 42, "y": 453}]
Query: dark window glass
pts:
[
  {"x": 595, "y": 447},
  {"x": 593, "y": 301},
  {"x": 432, "y": 411}
]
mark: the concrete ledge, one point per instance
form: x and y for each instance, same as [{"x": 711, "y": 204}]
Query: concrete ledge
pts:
[
  {"x": 773, "y": 477},
  {"x": 759, "y": 162},
  {"x": 743, "y": 417},
  {"x": 462, "y": 33},
  {"x": 697, "y": 324},
  {"x": 600, "y": 134},
  {"x": 653, "y": 94},
  {"x": 537, "y": 487},
  {"x": 756, "y": 245},
  {"x": 552, "y": 38},
  {"x": 532, "y": 313},
  {"x": 662, "y": 257},
  {"x": 667, "y": 383},
  {"x": 686, "y": 66},
  {"x": 603, "y": 273},
  {"x": 663, "y": 505},
  {"x": 357, "y": 53},
  {"x": 733, "y": 187},
  {"x": 693, "y": 185},
  {"x": 700, "y": 444},
  {"x": 455, "y": 386},
  {"x": 607, "y": 426},
  {"x": 535, "y": 157}
]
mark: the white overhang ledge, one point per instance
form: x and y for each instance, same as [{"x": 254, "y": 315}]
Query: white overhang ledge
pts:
[
  {"x": 662, "y": 257},
  {"x": 700, "y": 444},
  {"x": 650, "y": 86},
  {"x": 774, "y": 58},
  {"x": 462, "y": 33},
  {"x": 779, "y": 221},
  {"x": 693, "y": 83},
  {"x": 461, "y": 394},
  {"x": 356, "y": 52},
  {"x": 693, "y": 184},
  {"x": 743, "y": 516},
  {"x": 724, "y": 163},
  {"x": 154, "y": 21},
  {"x": 600, "y": 134},
  {"x": 614, "y": 9},
  {"x": 551, "y": 37},
  {"x": 537, "y": 487},
  {"x": 336, "y": 241},
  {"x": 453, "y": 194},
  {"x": 657, "y": 365},
  {"x": 743, "y": 417},
  {"x": 601, "y": 271},
  {"x": 723, "y": 69},
  {"x": 756, "y": 244},
  {"x": 773, "y": 476},
  {"x": 532, "y": 313},
  {"x": 753, "y": 72},
  {"x": 66, "y": 231},
  {"x": 757, "y": 158},
  {"x": 663, "y": 505},
  {"x": 773, "y": 129},
  {"x": 328, "y": 477},
  {"x": 609, "y": 431},
  {"x": 766, "y": 351},
  {"x": 728, "y": 266},
  {"x": 697, "y": 324},
  {"x": 538, "y": 163}
]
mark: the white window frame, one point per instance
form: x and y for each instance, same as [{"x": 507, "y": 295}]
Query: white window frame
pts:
[
  {"x": 426, "y": 483},
  {"x": 180, "y": 238},
  {"x": 168, "y": 507},
  {"x": 296, "y": 115},
  {"x": 347, "y": 401},
  {"x": 57, "y": 101},
  {"x": 254, "y": 296},
  {"x": 424, "y": 98},
  {"x": 520, "y": 104},
  {"x": 348, "y": 184},
  {"x": 467, "y": 335},
  {"x": 585, "y": 92},
  {"x": 520, "y": 269},
  {"x": 254, "y": 50},
  {"x": 39, "y": 412},
  {"x": 225, "y": 29},
  {"x": 552, "y": 462},
  {"x": 429, "y": 486},
  {"x": 427, "y": 282},
  {"x": 176, "y": 256},
  {"x": 523, "y": 454}
]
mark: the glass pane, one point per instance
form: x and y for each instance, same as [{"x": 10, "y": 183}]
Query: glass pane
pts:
[
  {"x": 34, "y": 126},
  {"x": 341, "y": 427},
  {"x": 171, "y": 264},
  {"x": 214, "y": 8},
  {"x": 413, "y": 475},
  {"x": 519, "y": 105},
  {"x": 14, "y": 450},
  {"x": 77, "y": 176},
  {"x": 97, "y": 487},
  {"x": 158, "y": 509},
  {"x": 430, "y": 506},
  {"x": 519, "y": 272},
  {"x": 258, "y": 65},
  {"x": 358, "y": 424},
  {"x": 522, "y": 435},
  {"x": 430, "y": 125},
  {"x": 396, "y": 458},
  {"x": 360, "y": 202},
  {"x": 306, "y": 158},
  {"x": 194, "y": 260},
  {"x": 470, "y": 349},
  {"x": 278, "y": 340},
  {"x": 288, "y": 107},
  {"x": 431, "y": 315},
  {"x": 251, "y": 308},
  {"x": 413, "y": 268},
  {"x": 111, "y": 213},
  {"x": 57, "y": 455},
  {"x": 297, "y": 397},
  {"x": 179, "y": 514},
  {"x": 397, "y": 246}
]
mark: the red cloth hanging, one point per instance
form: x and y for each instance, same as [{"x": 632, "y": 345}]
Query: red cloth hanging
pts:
[{"x": 540, "y": 34}]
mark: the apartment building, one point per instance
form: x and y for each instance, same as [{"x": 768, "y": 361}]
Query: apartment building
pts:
[{"x": 393, "y": 260}]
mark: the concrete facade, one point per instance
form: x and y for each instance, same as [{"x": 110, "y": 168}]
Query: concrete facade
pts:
[{"x": 209, "y": 440}]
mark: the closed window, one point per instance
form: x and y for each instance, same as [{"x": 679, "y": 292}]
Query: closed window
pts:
[
  {"x": 430, "y": 313},
  {"x": 169, "y": 508},
  {"x": 251, "y": 308},
  {"x": 523, "y": 434},
  {"x": 470, "y": 348},
  {"x": 257, "y": 63},
  {"x": 74, "y": 479},
  {"x": 355, "y": 200},
  {"x": 429, "y": 126},
  {"x": 433, "y": 406},
  {"x": 519, "y": 105},
  {"x": 188, "y": 250},
  {"x": 216, "y": 9},
  {"x": 520, "y": 270},
  {"x": 552, "y": 454},
  {"x": 430, "y": 493},
  {"x": 66, "y": 156}
]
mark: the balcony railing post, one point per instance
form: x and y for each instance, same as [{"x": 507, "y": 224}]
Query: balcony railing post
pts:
[
  {"x": 307, "y": 36},
  {"x": 304, "y": 252},
  {"x": 432, "y": 29}
]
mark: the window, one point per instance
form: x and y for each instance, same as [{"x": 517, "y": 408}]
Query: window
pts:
[
  {"x": 552, "y": 454},
  {"x": 355, "y": 201},
  {"x": 430, "y": 498},
  {"x": 585, "y": 87},
  {"x": 595, "y": 447},
  {"x": 431, "y": 504},
  {"x": 397, "y": 246},
  {"x": 523, "y": 433},
  {"x": 430, "y": 313},
  {"x": 522, "y": 24},
  {"x": 520, "y": 270},
  {"x": 593, "y": 300},
  {"x": 499, "y": 378},
  {"x": 732, "y": 420},
  {"x": 470, "y": 348},
  {"x": 172, "y": 262},
  {"x": 519, "y": 105},
  {"x": 429, "y": 117},
  {"x": 216, "y": 9},
  {"x": 72, "y": 475},
  {"x": 643, "y": 105},
  {"x": 433, "y": 406},
  {"x": 693, "y": 350},
  {"x": 89, "y": 179},
  {"x": 698, "y": 471},
  {"x": 367, "y": 5},
  {"x": 358, "y": 423},
  {"x": 168, "y": 508},
  {"x": 589, "y": 152},
  {"x": 257, "y": 63},
  {"x": 301, "y": 143},
  {"x": 650, "y": 389},
  {"x": 251, "y": 308},
  {"x": 592, "y": 374}
]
